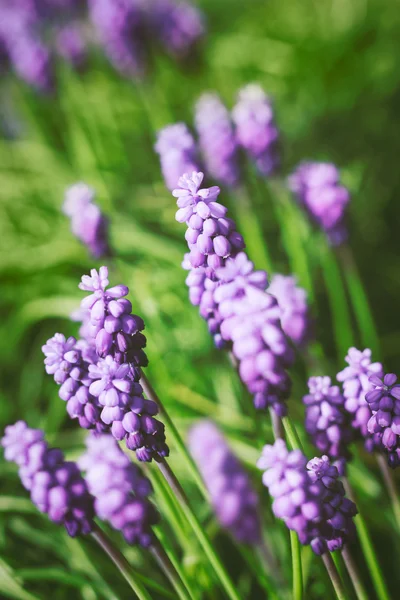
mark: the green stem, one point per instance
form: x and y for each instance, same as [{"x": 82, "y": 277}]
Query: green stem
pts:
[
  {"x": 334, "y": 576},
  {"x": 354, "y": 574},
  {"x": 166, "y": 565},
  {"x": 368, "y": 549},
  {"x": 174, "y": 434},
  {"x": 390, "y": 486},
  {"x": 296, "y": 566},
  {"x": 120, "y": 562},
  {"x": 291, "y": 434},
  {"x": 199, "y": 530},
  {"x": 277, "y": 425}
]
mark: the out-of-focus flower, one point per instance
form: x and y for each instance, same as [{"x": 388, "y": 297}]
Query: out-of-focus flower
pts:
[
  {"x": 217, "y": 139},
  {"x": 256, "y": 131},
  {"x": 235, "y": 502},
  {"x": 120, "y": 489},
  {"x": 177, "y": 151},
  {"x": 71, "y": 45},
  {"x": 177, "y": 25},
  {"x": 88, "y": 224},
  {"x": 317, "y": 187},
  {"x": 56, "y": 486},
  {"x": 295, "y": 315}
]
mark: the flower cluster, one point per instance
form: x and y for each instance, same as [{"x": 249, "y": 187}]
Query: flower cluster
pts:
[
  {"x": 308, "y": 496},
  {"x": 235, "y": 502},
  {"x": 318, "y": 189},
  {"x": 356, "y": 384},
  {"x": 292, "y": 300},
  {"x": 384, "y": 424},
  {"x": 217, "y": 139},
  {"x": 256, "y": 131},
  {"x": 88, "y": 224},
  {"x": 177, "y": 25},
  {"x": 327, "y": 421},
  {"x": 99, "y": 376},
  {"x": 231, "y": 294},
  {"x": 120, "y": 489},
  {"x": 56, "y": 486},
  {"x": 177, "y": 151}
]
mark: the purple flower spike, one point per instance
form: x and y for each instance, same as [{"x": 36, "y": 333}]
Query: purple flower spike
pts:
[
  {"x": 327, "y": 421},
  {"x": 256, "y": 131},
  {"x": 217, "y": 139},
  {"x": 56, "y": 486},
  {"x": 308, "y": 496},
  {"x": 177, "y": 25},
  {"x": 178, "y": 153},
  {"x": 356, "y": 384},
  {"x": 119, "y": 25},
  {"x": 211, "y": 236},
  {"x": 88, "y": 224},
  {"x": 384, "y": 424},
  {"x": 116, "y": 331},
  {"x": 120, "y": 489},
  {"x": 317, "y": 187},
  {"x": 71, "y": 45},
  {"x": 292, "y": 300},
  {"x": 235, "y": 502}
]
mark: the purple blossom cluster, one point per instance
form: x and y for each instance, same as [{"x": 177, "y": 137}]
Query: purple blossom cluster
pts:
[
  {"x": 384, "y": 424},
  {"x": 308, "y": 496},
  {"x": 99, "y": 375},
  {"x": 88, "y": 223},
  {"x": 55, "y": 485},
  {"x": 292, "y": 299},
  {"x": 317, "y": 187},
  {"x": 177, "y": 25},
  {"x": 231, "y": 294},
  {"x": 326, "y": 420},
  {"x": 120, "y": 490},
  {"x": 256, "y": 131},
  {"x": 178, "y": 153},
  {"x": 235, "y": 502},
  {"x": 356, "y": 384}
]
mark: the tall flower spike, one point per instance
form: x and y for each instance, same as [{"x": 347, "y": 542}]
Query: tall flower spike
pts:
[
  {"x": 119, "y": 25},
  {"x": 256, "y": 131},
  {"x": 308, "y": 496},
  {"x": 120, "y": 489},
  {"x": 356, "y": 384},
  {"x": 116, "y": 331},
  {"x": 327, "y": 421},
  {"x": 235, "y": 502},
  {"x": 68, "y": 361},
  {"x": 177, "y": 150},
  {"x": 56, "y": 486},
  {"x": 317, "y": 187},
  {"x": 295, "y": 314},
  {"x": 88, "y": 224},
  {"x": 211, "y": 236},
  {"x": 178, "y": 25},
  {"x": 217, "y": 139},
  {"x": 384, "y": 424}
]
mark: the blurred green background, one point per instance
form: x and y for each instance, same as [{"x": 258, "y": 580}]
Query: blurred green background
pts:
[{"x": 333, "y": 71}]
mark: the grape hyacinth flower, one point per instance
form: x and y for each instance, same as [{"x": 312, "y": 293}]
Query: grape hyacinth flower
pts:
[
  {"x": 327, "y": 421},
  {"x": 88, "y": 224},
  {"x": 356, "y": 384},
  {"x": 119, "y": 24},
  {"x": 217, "y": 139},
  {"x": 177, "y": 25},
  {"x": 256, "y": 131},
  {"x": 292, "y": 300},
  {"x": 384, "y": 424},
  {"x": 71, "y": 45},
  {"x": 235, "y": 502},
  {"x": 308, "y": 496},
  {"x": 177, "y": 150},
  {"x": 120, "y": 489},
  {"x": 67, "y": 360},
  {"x": 211, "y": 236},
  {"x": 55, "y": 485},
  {"x": 113, "y": 327},
  {"x": 317, "y": 187}
]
